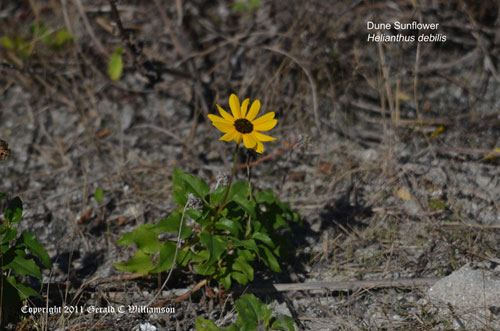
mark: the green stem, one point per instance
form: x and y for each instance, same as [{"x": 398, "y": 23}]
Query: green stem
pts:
[{"x": 230, "y": 182}]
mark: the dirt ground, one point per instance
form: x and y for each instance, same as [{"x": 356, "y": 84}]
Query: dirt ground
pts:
[{"x": 386, "y": 149}]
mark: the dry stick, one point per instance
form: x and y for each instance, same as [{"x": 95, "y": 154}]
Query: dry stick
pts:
[
  {"x": 182, "y": 297},
  {"x": 88, "y": 27},
  {"x": 98, "y": 281},
  {"x": 177, "y": 247},
  {"x": 346, "y": 286},
  {"x": 385, "y": 74},
  {"x": 417, "y": 61},
  {"x": 124, "y": 34},
  {"x": 471, "y": 225},
  {"x": 180, "y": 13},
  {"x": 309, "y": 77}
]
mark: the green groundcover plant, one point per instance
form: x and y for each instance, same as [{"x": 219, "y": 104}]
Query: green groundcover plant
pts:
[
  {"x": 252, "y": 315},
  {"x": 233, "y": 227},
  {"x": 21, "y": 49},
  {"x": 14, "y": 260}
]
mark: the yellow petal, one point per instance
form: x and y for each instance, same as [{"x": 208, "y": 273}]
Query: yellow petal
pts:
[
  {"x": 249, "y": 141},
  {"x": 224, "y": 127},
  {"x": 234, "y": 104},
  {"x": 244, "y": 107},
  {"x": 265, "y": 126},
  {"x": 262, "y": 137},
  {"x": 231, "y": 135},
  {"x": 225, "y": 114},
  {"x": 254, "y": 110},
  {"x": 263, "y": 118},
  {"x": 259, "y": 148},
  {"x": 218, "y": 119},
  {"x": 215, "y": 118}
]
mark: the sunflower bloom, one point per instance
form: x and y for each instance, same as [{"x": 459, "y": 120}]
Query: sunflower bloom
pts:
[{"x": 243, "y": 125}]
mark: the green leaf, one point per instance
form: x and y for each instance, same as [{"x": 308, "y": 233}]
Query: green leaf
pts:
[
  {"x": 14, "y": 212},
  {"x": 247, "y": 255},
  {"x": 216, "y": 246},
  {"x": 3, "y": 196},
  {"x": 36, "y": 248},
  {"x": 240, "y": 188},
  {"x": 205, "y": 325},
  {"x": 205, "y": 269},
  {"x": 23, "y": 291},
  {"x": 217, "y": 195},
  {"x": 199, "y": 217},
  {"x": 246, "y": 205},
  {"x": 248, "y": 244},
  {"x": 185, "y": 184},
  {"x": 171, "y": 224},
  {"x": 234, "y": 227},
  {"x": 270, "y": 260},
  {"x": 264, "y": 238},
  {"x": 284, "y": 323},
  {"x": 240, "y": 277},
  {"x": 145, "y": 239},
  {"x": 266, "y": 196},
  {"x": 40, "y": 31},
  {"x": 437, "y": 204},
  {"x": 63, "y": 37},
  {"x": 166, "y": 259},
  {"x": 20, "y": 265},
  {"x": 279, "y": 222},
  {"x": 98, "y": 194},
  {"x": 183, "y": 257},
  {"x": 6, "y": 42},
  {"x": 196, "y": 186},
  {"x": 226, "y": 282},
  {"x": 23, "y": 48},
  {"x": 8, "y": 235},
  {"x": 246, "y": 6},
  {"x": 201, "y": 256},
  {"x": 140, "y": 263},
  {"x": 251, "y": 312},
  {"x": 240, "y": 264},
  {"x": 115, "y": 65},
  {"x": 195, "y": 214}
]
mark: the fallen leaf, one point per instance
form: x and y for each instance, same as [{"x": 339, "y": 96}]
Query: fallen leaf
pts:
[
  {"x": 494, "y": 155},
  {"x": 404, "y": 194},
  {"x": 103, "y": 133}
]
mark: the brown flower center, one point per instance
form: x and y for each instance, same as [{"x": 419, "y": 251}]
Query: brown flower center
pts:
[{"x": 243, "y": 125}]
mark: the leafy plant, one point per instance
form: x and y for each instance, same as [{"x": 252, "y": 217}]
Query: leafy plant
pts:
[
  {"x": 252, "y": 315},
  {"x": 98, "y": 194},
  {"x": 115, "y": 65},
  {"x": 22, "y": 49},
  {"x": 436, "y": 204},
  {"x": 233, "y": 227},
  {"x": 13, "y": 258},
  {"x": 222, "y": 244},
  {"x": 246, "y": 6}
]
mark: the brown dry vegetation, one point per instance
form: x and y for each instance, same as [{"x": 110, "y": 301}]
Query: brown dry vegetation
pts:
[{"x": 383, "y": 193}]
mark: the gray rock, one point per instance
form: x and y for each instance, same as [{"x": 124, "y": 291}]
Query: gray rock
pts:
[{"x": 470, "y": 296}]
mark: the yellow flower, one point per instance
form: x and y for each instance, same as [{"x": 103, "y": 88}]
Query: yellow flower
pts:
[{"x": 242, "y": 125}]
